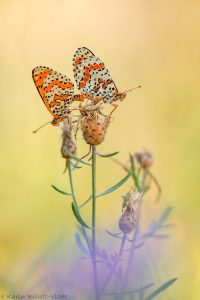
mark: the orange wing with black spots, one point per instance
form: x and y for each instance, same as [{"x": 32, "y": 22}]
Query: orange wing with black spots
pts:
[
  {"x": 55, "y": 89},
  {"x": 92, "y": 77}
]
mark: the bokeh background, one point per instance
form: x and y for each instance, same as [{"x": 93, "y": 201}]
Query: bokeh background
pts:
[{"x": 152, "y": 43}]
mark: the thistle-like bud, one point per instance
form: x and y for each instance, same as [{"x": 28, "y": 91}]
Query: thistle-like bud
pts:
[
  {"x": 94, "y": 127},
  {"x": 67, "y": 138},
  {"x": 144, "y": 158},
  {"x": 128, "y": 219}
]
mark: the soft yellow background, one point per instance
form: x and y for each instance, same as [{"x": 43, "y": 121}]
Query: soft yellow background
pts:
[{"x": 152, "y": 43}]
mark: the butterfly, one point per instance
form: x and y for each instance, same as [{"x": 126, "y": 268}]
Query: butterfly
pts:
[
  {"x": 56, "y": 91},
  {"x": 93, "y": 79}
]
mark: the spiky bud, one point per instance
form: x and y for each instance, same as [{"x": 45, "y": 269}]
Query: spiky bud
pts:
[
  {"x": 67, "y": 138},
  {"x": 94, "y": 128},
  {"x": 144, "y": 158},
  {"x": 128, "y": 219}
]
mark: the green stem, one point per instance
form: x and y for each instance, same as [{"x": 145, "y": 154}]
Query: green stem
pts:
[
  {"x": 135, "y": 177},
  {"x": 135, "y": 235},
  {"x": 123, "y": 240},
  {"x": 71, "y": 183},
  {"x": 96, "y": 285},
  {"x": 75, "y": 201},
  {"x": 131, "y": 254}
]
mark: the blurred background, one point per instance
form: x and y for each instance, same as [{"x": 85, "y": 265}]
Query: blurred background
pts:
[{"x": 152, "y": 43}]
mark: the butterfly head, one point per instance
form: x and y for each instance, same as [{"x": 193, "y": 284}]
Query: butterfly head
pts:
[
  {"x": 54, "y": 122},
  {"x": 122, "y": 96}
]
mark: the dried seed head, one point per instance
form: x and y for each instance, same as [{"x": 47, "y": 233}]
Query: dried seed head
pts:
[
  {"x": 94, "y": 127},
  {"x": 67, "y": 138},
  {"x": 128, "y": 219},
  {"x": 144, "y": 158}
]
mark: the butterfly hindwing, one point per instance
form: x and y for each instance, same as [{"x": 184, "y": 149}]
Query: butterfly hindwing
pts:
[
  {"x": 92, "y": 77},
  {"x": 55, "y": 89}
]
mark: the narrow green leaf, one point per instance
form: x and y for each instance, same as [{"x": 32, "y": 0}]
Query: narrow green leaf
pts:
[
  {"x": 161, "y": 289},
  {"x": 75, "y": 166},
  {"x": 108, "y": 154},
  {"x": 110, "y": 190},
  {"x": 60, "y": 191},
  {"x": 77, "y": 158},
  {"x": 116, "y": 186},
  {"x": 78, "y": 216},
  {"x": 132, "y": 291},
  {"x": 86, "y": 201},
  {"x": 135, "y": 177},
  {"x": 165, "y": 215}
]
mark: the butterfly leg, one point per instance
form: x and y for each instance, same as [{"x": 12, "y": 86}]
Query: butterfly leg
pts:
[
  {"x": 77, "y": 126},
  {"x": 115, "y": 106},
  {"x": 102, "y": 114}
]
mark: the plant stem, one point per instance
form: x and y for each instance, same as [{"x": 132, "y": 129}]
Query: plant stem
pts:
[
  {"x": 131, "y": 254},
  {"x": 96, "y": 285},
  {"x": 74, "y": 200},
  {"x": 123, "y": 240},
  {"x": 135, "y": 177},
  {"x": 71, "y": 183},
  {"x": 135, "y": 236}
]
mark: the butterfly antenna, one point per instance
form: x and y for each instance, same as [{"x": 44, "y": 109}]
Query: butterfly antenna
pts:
[
  {"x": 34, "y": 131},
  {"x": 137, "y": 87}
]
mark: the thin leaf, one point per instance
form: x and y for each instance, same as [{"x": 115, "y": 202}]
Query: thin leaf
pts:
[
  {"x": 110, "y": 190},
  {"x": 75, "y": 166},
  {"x": 80, "y": 244},
  {"x": 135, "y": 248},
  {"x": 60, "y": 191},
  {"x": 116, "y": 235},
  {"x": 77, "y": 158},
  {"x": 158, "y": 224},
  {"x": 132, "y": 291},
  {"x": 167, "y": 225},
  {"x": 85, "y": 202},
  {"x": 116, "y": 186},
  {"x": 158, "y": 236},
  {"x": 108, "y": 154},
  {"x": 78, "y": 216},
  {"x": 135, "y": 177},
  {"x": 161, "y": 289},
  {"x": 165, "y": 215}
]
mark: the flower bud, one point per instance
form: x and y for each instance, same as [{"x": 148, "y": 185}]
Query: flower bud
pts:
[
  {"x": 128, "y": 219},
  {"x": 144, "y": 158},
  {"x": 94, "y": 128},
  {"x": 67, "y": 138}
]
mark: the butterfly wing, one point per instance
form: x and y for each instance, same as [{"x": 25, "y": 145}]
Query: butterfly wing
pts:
[
  {"x": 55, "y": 89},
  {"x": 92, "y": 77}
]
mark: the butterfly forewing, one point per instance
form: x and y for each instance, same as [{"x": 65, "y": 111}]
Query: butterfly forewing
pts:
[
  {"x": 55, "y": 89},
  {"x": 92, "y": 77}
]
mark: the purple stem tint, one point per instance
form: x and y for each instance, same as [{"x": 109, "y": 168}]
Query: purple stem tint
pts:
[
  {"x": 94, "y": 264},
  {"x": 115, "y": 264}
]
